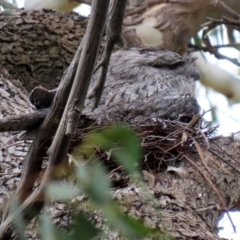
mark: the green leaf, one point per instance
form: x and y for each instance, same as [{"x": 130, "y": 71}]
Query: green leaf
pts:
[
  {"x": 50, "y": 232},
  {"x": 121, "y": 142},
  {"x": 93, "y": 181},
  {"x": 83, "y": 229},
  {"x": 127, "y": 226},
  {"x": 18, "y": 219},
  {"x": 62, "y": 191},
  {"x": 123, "y": 145}
]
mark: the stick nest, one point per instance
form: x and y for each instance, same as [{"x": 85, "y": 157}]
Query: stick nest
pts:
[{"x": 164, "y": 142}]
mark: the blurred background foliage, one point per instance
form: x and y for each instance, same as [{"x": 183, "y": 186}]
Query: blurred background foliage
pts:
[{"x": 91, "y": 179}]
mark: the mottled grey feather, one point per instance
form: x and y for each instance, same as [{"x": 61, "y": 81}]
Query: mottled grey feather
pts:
[{"x": 147, "y": 82}]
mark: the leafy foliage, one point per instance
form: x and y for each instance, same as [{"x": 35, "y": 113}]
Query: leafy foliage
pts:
[{"x": 91, "y": 176}]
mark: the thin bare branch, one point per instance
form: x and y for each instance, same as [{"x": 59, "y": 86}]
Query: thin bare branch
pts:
[
  {"x": 61, "y": 141},
  {"x": 22, "y": 122},
  {"x": 113, "y": 34}
]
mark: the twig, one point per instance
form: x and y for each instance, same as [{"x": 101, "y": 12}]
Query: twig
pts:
[
  {"x": 61, "y": 141},
  {"x": 46, "y": 129},
  {"x": 113, "y": 34},
  {"x": 10, "y": 173},
  {"x": 231, "y": 221},
  {"x": 224, "y": 207},
  {"x": 226, "y": 8},
  {"x": 206, "y": 49},
  {"x": 212, "y": 49},
  {"x": 201, "y": 155},
  {"x": 213, "y": 23},
  {"x": 51, "y": 121},
  {"x": 22, "y": 122},
  {"x": 225, "y": 161}
]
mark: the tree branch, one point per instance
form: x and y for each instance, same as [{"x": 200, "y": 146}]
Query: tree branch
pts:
[
  {"x": 61, "y": 141},
  {"x": 113, "y": 34},
  {"x": 22, "y": 122}
]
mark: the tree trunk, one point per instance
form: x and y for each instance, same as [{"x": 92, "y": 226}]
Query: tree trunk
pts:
[{"x": 38, "y": 46}]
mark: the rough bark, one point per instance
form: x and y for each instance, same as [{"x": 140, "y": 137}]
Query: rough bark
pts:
[
  {"x": 14, "y": 101},
  {"x": 190, "y": 194},
  {"x": 38, "y": 46}
]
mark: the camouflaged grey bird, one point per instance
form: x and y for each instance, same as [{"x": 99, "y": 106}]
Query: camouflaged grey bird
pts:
[{"x": 147, "y": 82}]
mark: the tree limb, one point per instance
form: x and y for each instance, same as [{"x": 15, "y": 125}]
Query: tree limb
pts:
[
  {"x": 61, "y": 141},
  {"x": 113, "y": 35},
  {"x": 22, "y": 122}
]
